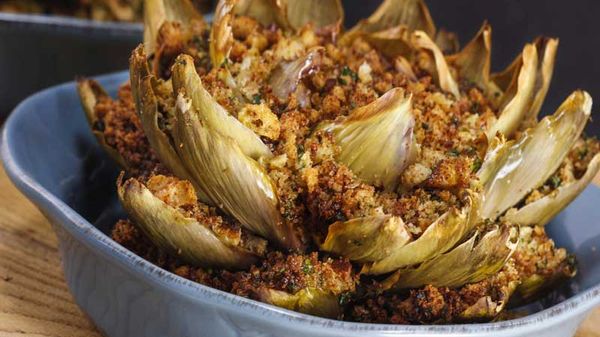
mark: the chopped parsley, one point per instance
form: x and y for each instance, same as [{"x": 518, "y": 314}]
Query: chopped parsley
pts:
[
  {"x": 555, "y": 181},
  {"x": 307, "y": 266},
  {"x": 344, "y": 298},
  {"x": 453, "y": 153},
  {"x": 476, "y": 165},
  {"x": 347, "y": 72}
]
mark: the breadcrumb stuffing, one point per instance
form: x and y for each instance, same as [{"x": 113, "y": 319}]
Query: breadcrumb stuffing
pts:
[
  {"x": 122, "y": 131},
  {"x": 314, "y": 189}
]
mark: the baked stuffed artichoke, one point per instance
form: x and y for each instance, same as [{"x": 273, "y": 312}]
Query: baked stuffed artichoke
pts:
[{"x": 375, "y": 174}]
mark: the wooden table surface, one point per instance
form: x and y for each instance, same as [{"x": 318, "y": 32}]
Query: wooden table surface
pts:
[{"x": 34, "y": 299}]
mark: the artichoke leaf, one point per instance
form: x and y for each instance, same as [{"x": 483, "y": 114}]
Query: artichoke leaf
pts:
[
  {"x": 403, "y": 66},
  {"x": 221, "y": 33},
  {"x": 121, "y": 11},
  {"x": 366, "y": 239},
  {"x": 173, "y": 231},
  {"x": 512, "y": 169},
  {"x": 235, "y": 182},
  {"x": 319, "y": 13},
  {"x": 441, "y": 236},
  {"x": 392, "y": 42},
  {"x": 470, "y": 262},
  {"x": 377, "y": 140},
  {"x": 310, "y": 301},
  {"x": 146, "y": 102},
  {"x": 266, "y": 12},
  {"x": 518, "y": 96},
  {"x": 413, "y": 14},
  {"x": 541, "y": 211},
  {"x": 508, "y": 75},
  {"x": 286, "y": 76},
  {"x": 487, "y": 308},
  {"x": 156, "y": 12},
  {"x": 473, "y": 62},
  {"x": 547, "y": 54},
  {"x": 441, "y": 72},
  {"x": 212, "y": 114},
  {"x": 90, "y": 92}
]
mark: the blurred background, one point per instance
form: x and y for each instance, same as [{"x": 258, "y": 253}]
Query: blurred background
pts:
[{"x": 36, "y": 54}]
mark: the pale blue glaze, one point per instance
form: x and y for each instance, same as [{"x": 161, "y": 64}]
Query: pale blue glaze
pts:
[{"x": 51, "y": 156}]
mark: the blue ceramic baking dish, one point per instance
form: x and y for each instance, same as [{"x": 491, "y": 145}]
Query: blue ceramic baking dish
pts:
[{"x": 52, "y": 157}]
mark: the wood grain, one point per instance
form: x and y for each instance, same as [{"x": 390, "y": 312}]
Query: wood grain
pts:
[{"x": 34, "y": 299}]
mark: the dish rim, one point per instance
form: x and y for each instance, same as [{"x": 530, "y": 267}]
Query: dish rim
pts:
[
  {"x": 72, "y": 25},
  {"x": 85, "y": 233}
]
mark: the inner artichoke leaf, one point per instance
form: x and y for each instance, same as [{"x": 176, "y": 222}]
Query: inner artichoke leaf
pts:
[
  {"x": 285, "y": 77},
  {"x": 518, "y": 96},
  {"x": 441, "y": 72},
  {"x": 473, "y": 62},
  {"x": 546, "y": 49},
  {"x": 221, "y": 33},
  {"x": 512, "y": 169},
  {"x": 366, "y": 239},
  {"x": 146, "y": 103},
  {"x": 487, "y": 308},
  {"x": 233, "y": 181},
  {"x": 212, "y": 114},
  {"x": 413, "y": 14},
  {"x": 541, "y": 211},
  {"x": 319, "y": 13},
  {"x": 266, "y": 12},
  {"x": 508, "y": 75},
  {"x": 310, "y": 301},
  {"x": 392, "y": 42},
  {"x": 377, "y": 140},
  {"x": 472, "y": 261},
  {"x": 90, "y": 93},
  {"x": 441, "y": 236},
  {"x": 156, "y": 12},
  {"x": 181, "y": 235}
]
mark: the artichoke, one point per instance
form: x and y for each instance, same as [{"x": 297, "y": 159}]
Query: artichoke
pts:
[{"x": 385, "y": 146}]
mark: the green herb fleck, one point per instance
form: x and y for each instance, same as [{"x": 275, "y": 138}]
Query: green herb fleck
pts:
[
  {"x": 344, "y": 298},
  {"x": 307, "y": 267},
  {"x": 453, "y": 153},
  {"x": 476, "y": 165},
  {"x": 346, "y": 71},
  {"x": 256, "y": 99},
  {"x": 555, "y": 181}
]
